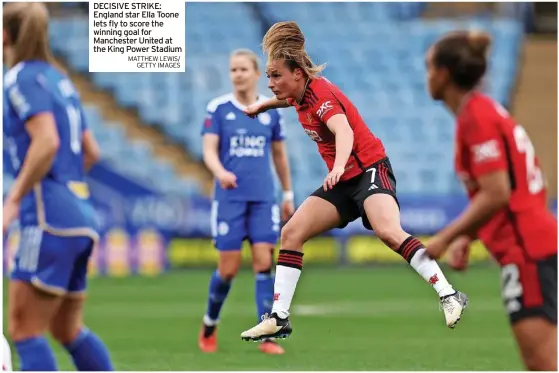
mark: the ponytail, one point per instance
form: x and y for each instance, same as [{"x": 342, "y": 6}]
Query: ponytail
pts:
[{"x": 284, "y": 40}]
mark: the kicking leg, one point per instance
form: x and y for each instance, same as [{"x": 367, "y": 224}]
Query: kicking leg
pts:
[
  {"x": 384, "y": 216},
  {"x": 314, "y": 216}
]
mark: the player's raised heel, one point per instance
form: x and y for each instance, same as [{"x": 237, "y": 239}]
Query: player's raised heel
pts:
[
  {"x": 272, "y": 326},
  {"x": 453, "y": 307}
]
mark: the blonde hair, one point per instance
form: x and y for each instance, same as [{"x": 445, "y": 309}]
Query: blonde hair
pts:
[
  {"x": 26, "y": 25},
  {"x": 284, "y": 40},
  {"x": 249, "y": 54}
]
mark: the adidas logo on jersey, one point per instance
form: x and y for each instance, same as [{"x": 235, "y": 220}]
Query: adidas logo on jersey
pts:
[
  {"x": 231, "y": 116},
  {"x": 373, "y": 186}
]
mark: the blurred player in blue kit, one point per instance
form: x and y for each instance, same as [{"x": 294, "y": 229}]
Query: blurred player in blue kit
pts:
[
  {"x": 237, "y": 150},
  {"x": 50, "y": 150}
]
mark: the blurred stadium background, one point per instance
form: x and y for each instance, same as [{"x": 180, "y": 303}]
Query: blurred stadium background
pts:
[{"x": 152, "y": 191}]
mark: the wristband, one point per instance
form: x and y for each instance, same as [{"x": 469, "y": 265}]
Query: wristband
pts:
[{"x": 288, "y": 196}]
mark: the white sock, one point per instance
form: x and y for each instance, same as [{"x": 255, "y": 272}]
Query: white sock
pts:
[
  {"x": 287, "y": 276},
  {"x": 6, "y": 355},
  {"x": 431, "y": 272},
  {"x": 209, "y": 322}
]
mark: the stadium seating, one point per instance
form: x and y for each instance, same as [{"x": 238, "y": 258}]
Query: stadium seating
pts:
[
  {"x": 135, "y": 159},
  {"x": 375, "y": 53}
]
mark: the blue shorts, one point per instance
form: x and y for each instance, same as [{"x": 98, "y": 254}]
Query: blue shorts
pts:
[
  {"x": 54, "y": 264},
  {"x": 234, "y": 221}
]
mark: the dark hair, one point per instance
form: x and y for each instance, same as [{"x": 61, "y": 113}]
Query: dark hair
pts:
[{"x": 464, "y": 55}]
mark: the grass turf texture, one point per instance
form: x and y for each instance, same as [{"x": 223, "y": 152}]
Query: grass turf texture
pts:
[{"x": 374, "y": 318}]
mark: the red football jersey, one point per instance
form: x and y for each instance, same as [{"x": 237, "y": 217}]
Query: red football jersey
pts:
[
  {"x": 489, "y": 140},
  {"x": 321, "y": 101}
]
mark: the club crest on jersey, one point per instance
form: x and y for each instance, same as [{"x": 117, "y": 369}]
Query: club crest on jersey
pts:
[
  {"x": 309, "y": 118},
  {"x": 265, "y": 118}
]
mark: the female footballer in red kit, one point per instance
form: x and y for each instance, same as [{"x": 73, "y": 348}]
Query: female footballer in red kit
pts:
[
  {"x": 496, "y": 161},
  {"x": 360, "y": 182}
]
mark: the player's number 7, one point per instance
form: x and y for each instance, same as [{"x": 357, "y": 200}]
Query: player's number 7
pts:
[{"x": 373, "y": 174}]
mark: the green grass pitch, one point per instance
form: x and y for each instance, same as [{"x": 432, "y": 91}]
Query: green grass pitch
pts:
[{"x": 373, "y": 318}]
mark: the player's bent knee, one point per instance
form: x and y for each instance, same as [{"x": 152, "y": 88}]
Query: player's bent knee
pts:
[
  {"x": 392, "y": 237},
  {"x": 262, "y": 267},
  {"x": 228, "y": 274},
  {"x": 229, "y": 263},
  {"x": 262, "y": 264},
  {"x": 14, "y": 328},
  {"x": 65, "y": 334},
  {"x": 27, "y": 317},
  {"x": 292, "y": 237},
  {"x": 19, "y": 328}
]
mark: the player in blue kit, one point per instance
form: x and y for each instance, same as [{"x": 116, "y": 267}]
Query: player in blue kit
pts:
[
  {"x": 237, "y": 150},
  {"x": 50, "y": 149}
]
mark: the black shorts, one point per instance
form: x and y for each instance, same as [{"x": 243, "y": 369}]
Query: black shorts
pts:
[
  {"x": 349, "y": 196},
  {"x": 529, "y": 289}
]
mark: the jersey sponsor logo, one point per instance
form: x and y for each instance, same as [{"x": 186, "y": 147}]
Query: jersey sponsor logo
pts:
[
  {"x": 313, "y": 135},
  {"x": 324, "y": 108},
  {"x": 487, "y": 151},
  {"x": 247, "y": 146}
]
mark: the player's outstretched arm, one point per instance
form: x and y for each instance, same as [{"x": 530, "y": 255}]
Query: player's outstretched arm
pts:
[
  {"x": 40, "y": 156},
  {"x": 272, "y": 103},
  {"x": 90, "y": 148}
]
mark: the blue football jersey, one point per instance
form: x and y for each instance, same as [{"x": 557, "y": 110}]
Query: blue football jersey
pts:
[
  {"x": 244, "y": 147},
  {"x": 60, "y": 202}
]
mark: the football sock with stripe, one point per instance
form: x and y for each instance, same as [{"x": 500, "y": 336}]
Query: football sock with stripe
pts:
[
  {"x": 89, "y": 353},
  {"x": 414, "y": 252},
  {"x": 288, "y": 271},
  {"x": 36, "y": 355}
]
